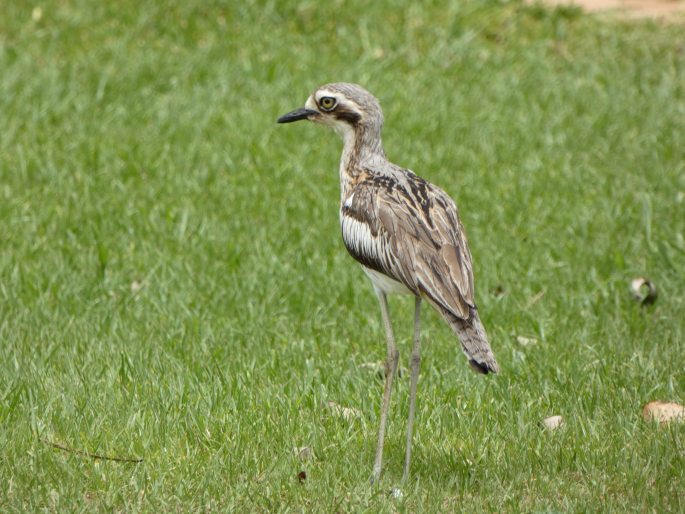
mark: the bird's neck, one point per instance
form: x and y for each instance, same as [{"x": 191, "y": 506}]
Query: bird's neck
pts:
[{"x": 362, "y": 147}]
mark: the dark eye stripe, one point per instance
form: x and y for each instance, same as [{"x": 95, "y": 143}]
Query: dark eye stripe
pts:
[{"x": 348, "y": 116}]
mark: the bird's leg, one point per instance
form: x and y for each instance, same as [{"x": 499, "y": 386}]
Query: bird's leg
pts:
[
  {"x": 390, "y": 368},
  {"x": 415, "y": 363}
]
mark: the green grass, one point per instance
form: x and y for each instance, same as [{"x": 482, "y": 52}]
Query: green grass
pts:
[{"x": 173, "y": 285}]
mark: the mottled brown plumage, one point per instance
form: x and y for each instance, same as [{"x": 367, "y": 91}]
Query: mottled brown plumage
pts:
[{"x": 403, "y": 230}]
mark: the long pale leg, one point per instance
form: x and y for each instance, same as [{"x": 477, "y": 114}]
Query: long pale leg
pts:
[
  {"x": 390, "y": 369},
  {"x": 415, "y": 362}
]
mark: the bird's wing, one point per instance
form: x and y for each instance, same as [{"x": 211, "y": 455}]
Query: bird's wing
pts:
[{"x": 419, "y": 239}]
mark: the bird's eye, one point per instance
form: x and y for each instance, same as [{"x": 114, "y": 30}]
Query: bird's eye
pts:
[{"x": 327, "y": 103}]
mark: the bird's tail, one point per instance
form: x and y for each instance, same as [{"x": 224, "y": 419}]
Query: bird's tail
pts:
[{"x": 474, "y": 342}]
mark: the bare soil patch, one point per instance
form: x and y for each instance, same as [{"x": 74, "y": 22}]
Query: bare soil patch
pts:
[{"x": 671, "y": 10}]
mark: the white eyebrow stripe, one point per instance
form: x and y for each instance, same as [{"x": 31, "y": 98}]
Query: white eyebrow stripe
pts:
[{"x": 324, "y": 92}]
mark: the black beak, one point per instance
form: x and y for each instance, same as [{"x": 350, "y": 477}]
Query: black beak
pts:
[{"x": 299, "y": 114}]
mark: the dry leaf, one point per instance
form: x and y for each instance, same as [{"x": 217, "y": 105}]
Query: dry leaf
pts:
[
  {"x": 303, "y": 452},
  {"x": 302, "y": 476},
  {"x": 347, "y": 413},
  {"x": 552, "y": 423},
  {"x": 526, "y": 341},
  {"x": 663, "y": 412},
  {"x": 379, "y": 368},
  {"x": 376, "y": 367}
]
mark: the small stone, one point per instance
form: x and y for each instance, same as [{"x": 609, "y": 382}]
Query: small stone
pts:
[
  {"x": 396, "y": 493},
  {"x": 663, "y": 412},
  {"x": 644, "y": 290},
  {"x": 552, "y": 422}
]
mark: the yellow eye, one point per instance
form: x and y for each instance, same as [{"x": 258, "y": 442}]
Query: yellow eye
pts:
[{"x": 327, "y": 103}]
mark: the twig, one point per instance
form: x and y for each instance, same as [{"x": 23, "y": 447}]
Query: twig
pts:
[
  {"x": 535, "y": 299},
  {"x": 91, "y": 455}
]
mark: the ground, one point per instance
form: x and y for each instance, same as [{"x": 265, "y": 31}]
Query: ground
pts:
[
  {"x": 670, "y": 10},
  {"x": 174, "y": 291}
]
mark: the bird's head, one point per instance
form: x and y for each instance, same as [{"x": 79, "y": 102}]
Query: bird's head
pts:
[{"x": 346, "y": 108}]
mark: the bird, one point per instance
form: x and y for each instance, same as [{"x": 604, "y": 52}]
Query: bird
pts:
[{"x": 406, "y": 234}]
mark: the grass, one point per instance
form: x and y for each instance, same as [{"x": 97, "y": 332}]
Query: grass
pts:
[{"x": 173, "y": 285}]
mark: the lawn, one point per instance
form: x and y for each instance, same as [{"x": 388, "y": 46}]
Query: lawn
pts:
[{"x": 174, "y": 288}]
